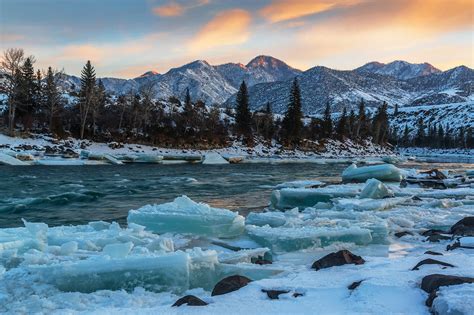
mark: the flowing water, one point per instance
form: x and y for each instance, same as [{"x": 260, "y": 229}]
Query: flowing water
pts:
[{"x": 76, "y": 195}]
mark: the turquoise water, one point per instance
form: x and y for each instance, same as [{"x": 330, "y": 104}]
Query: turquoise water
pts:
[{"x": 76, "y": 195}]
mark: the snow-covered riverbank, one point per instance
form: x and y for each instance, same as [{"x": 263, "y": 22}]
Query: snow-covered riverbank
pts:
[
  {"x": 182, "y": 248},
  {"x": 39, "y": 147}
]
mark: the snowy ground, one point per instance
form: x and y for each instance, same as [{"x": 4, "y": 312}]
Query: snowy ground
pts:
[
  {"x": 104, "y": 268},
  {"x": 36, "y": 145}
]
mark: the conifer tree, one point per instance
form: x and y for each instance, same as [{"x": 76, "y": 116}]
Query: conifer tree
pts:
[
  {"x": 420, "y": 133},
  {"x": 327, "y": 121},
  {"x": 292, "y": 124},
  {"x": 87, "y": 95},
  {"x": 243, "y": 118},
  {"x": 27, "y": 92},
  {"x": 406, "y": 136},
  {"x": 362, "y": 129},
  {"x": 52, "y": 97},
  {"x": 341, "y": 128},
  {"x": 352, "y": 122}
]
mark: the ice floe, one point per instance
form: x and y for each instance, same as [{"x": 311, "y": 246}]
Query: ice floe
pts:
[
  {"x": 186, "y": 216},
  {"x": 382, "y": 172}
]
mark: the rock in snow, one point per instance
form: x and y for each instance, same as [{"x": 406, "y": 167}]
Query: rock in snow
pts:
[
  {"x": 190, "y": 300},
  {"x": 230, "y": 284},
  {"x": 340, "y": 258}
]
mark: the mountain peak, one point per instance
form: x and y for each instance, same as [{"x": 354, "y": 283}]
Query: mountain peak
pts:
[
  {"x": 399, "y": 69},
  {"x": 263, "y": 61},
  {"x": 149, "y": 74}
]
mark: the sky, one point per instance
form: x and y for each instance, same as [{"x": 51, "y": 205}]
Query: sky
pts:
[{"x": 125, "y": 38}]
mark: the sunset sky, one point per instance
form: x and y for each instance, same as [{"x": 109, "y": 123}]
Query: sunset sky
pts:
[{"x": 125, "y": 38}]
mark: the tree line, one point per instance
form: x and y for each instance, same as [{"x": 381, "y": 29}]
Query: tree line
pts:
[{"x": 36, "y": 101}]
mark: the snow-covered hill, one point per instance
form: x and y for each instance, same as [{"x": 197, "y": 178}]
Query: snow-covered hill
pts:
[
  {"x": 399, "y": 69},
  {"x": 320, "y": 85}
]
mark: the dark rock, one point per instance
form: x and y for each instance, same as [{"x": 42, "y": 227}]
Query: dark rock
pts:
[
  {"x": 429, "y": 252},
  {"x": 431, "y": 284},
  {"x": 229, "y": 284},
  {"x": 274, "y": 294},
  {"x": 354, "y": 285},
  {"x": 190, "y": 300},
  {"x": 435, "y": 238},
  {"x": 261, "y": 261},
  {"x": 297, "y": 294},
  {"x": 432, "y": 232},
  {"x": 430, "y": 261},
  {"x": 416, "y": 198},
  {"x": 401, "y": 234},
  {"x": 434, "y": 174},
  {"x": 340, "y": 258},
  {"x": 463, "y": 227}
]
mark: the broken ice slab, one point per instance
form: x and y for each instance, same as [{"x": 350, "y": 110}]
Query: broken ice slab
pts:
[
  {"x": 369, "y": 204},
  {"x": 271, "y": 218},
  {"x": 285, "y": 239},
  {"x": 300, "y": 184},
  {"x": 289, "y": 198},
  {"x": 242, "y": 256},
  {"x": 213, "y": 158},
  {"x": 375, "y": 189},
  {"x": 382, "y": 172},
  {"x": 56, "y": 162},
  {"x": 186, "y": 216},
  {"x": 454, "y": 299},
  {"x": 175, "y": 272}
]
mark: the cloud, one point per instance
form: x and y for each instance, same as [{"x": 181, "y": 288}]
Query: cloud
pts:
[
  {"x": 175, "y": 9},
  {"x": 172, "y": 9},
  {"x": 227, "y": 28},
  {"x": 282, "y": 10}
]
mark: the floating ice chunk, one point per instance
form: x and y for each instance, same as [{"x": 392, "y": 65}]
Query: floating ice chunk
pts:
[
  {"x": 214, "y": 158},
  {"x": 186, "y": 216},
  {"x": 273, "y": 218},
  {"x": 9, "y": 160},
  {"x": 118, "y": 250},
  {"x": 383, "y": 172},
  {"x": 289, "y": 198},
  {"x": 369, "y": 204},
  {"x": 300, "y": 237},
  {"x": 443, "y": 203},
  {"x": 68, "y": 248},
  {"x": 300, "y": 184},
  {"x": 375, "y": 189}
]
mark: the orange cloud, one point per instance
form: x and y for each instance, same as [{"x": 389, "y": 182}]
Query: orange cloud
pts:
[
  {"x": 172, "y": 9},
  {"x": 176, "y": 9},
  {"x": 226, "y": 28},
  {"x": 282, "y": 10}
]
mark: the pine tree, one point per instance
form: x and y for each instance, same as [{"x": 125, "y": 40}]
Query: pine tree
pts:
[
  {"x": 362, "y": 129},
  {"x": 341, "y": 128},
  {"x": 27, "y": 92},
  {"x": 99, "y": 102},
  {"x": 292, "y": 122},
  {"x": 352, "y": 122},
  {"x": 52, "y": 97},
  {"x": 406, "y": 136},
  {"x": 420, "y": 133},
  {"x": 395, "y": 111},
  {"x": 87, "y": 94},
  {"x": 188, "y": 106},
  {"x": 243, "y": 118},
  {"x": 327, "y": 121},
  {"x": 380, "y": 124}
]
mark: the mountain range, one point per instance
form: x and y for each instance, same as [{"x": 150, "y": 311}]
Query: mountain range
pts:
[{"x": 269, "y": 80}]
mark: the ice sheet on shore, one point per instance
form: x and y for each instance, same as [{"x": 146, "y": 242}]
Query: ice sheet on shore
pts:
[
  {"x": 382, "y": 172},
  {"x": 186, "y": 216},
  {"x": 214, "y": 159},
  {"x": 300, "y": 184},
  {"x": 454, "y": 299}
]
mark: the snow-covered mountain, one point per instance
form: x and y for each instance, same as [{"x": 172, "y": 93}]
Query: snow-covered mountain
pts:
[
  {"x": 399, "y": 69},
  {"x": 269, "y": 80},
  {"x": 212, "y": 84},
  {"x": 320, "y": 85}
]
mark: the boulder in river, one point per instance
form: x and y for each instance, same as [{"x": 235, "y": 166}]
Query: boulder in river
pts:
[
  {"x": 339, "y": 258},
  {"x": 229, "y": 284}
]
